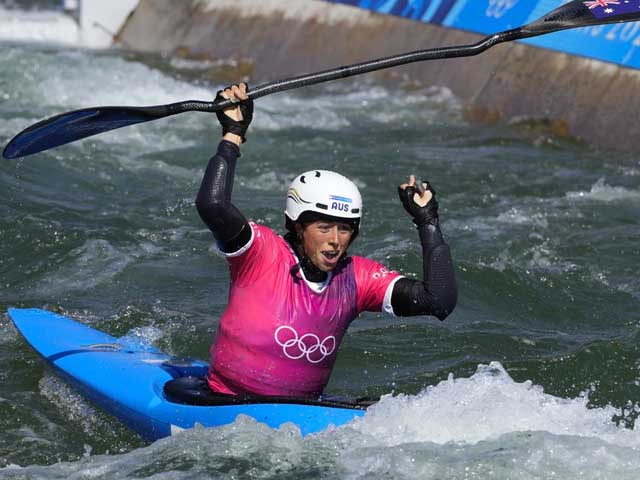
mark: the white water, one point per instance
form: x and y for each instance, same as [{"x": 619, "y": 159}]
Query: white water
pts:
[
  {"x": 91, "y": 24},
  {"x": 46, "y": 27},
  {"x": 602, "y": 192},
  {"x": 485, "y": 426}
]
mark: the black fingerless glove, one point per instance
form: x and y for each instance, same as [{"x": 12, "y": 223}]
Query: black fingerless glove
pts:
[
  {"x": 229, "y": 125},
  {"x": 427, "y": 215}
]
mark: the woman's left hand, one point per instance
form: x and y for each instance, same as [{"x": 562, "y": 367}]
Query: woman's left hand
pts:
[{"x": 423, "y": 207}]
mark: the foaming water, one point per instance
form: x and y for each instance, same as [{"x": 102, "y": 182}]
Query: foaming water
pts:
[
  {"x": 74, "y": 408},
  {"x": 488, "y": 426},
  {"x": 484, "y": 426},
  {"x": 38, "y": 27},
  {"x": 601, "y": 192},
  {"x": 93, "y": 80},
  {"x": 484, "y": 407},
  {"x": 319, "y": 112}
]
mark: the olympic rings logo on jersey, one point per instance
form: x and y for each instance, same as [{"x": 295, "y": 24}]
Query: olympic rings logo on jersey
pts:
[
  {"x": 497, "y": 8},
  {"x": 308, "y": 345}
]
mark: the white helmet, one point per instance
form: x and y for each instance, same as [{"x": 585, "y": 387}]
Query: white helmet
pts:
[{"x": 322, "y": 193}]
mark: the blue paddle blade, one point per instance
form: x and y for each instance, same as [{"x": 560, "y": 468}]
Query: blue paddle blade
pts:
[{"x": 71, "y": 126}]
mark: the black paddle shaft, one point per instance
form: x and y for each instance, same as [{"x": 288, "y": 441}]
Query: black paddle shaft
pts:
[
  {"x": 71, "y": 126},
  {"x": 380, "y": 64},
  {"x": 571, "y": 15}
]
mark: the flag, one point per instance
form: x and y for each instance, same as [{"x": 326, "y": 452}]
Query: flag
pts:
[{"x": 602, "y": 9}]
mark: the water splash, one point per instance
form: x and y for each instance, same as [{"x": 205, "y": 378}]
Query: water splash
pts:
[
  {"x": 601, "y": 192},
  {"x": 484, "y": 426},
  {"x": 44, "y": 27},
  {"x": 484, "y": 407}
]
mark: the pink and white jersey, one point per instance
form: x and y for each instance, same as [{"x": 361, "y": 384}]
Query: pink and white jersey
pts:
[{"x": 280, "y": 336}]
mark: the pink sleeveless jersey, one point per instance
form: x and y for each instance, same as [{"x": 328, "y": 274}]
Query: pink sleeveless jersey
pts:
[{"x": 278, "y": 336}]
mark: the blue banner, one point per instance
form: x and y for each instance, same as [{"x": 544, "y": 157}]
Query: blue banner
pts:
[{"x": 617, "y": 43}]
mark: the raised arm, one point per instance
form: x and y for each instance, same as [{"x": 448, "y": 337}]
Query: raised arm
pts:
[
  {"x": 229, "y": 227},
  {"x": 437, "y": 293}
]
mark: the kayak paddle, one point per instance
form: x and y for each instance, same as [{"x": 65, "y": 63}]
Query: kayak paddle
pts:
[{"x": 71, "y": 126}]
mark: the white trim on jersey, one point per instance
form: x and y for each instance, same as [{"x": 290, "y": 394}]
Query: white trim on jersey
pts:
[{"x": 386, "y": 303}]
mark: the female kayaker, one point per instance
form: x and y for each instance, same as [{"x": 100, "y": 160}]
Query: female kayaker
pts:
[{"x": 292, "y": 298}]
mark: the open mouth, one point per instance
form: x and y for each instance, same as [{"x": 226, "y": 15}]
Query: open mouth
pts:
[{"x": 330, "y": 255}]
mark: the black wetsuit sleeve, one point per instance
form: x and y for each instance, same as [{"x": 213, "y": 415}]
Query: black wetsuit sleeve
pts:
[
  {"x": 437, "y": 294},
  {"x": 229, "y": 227}
]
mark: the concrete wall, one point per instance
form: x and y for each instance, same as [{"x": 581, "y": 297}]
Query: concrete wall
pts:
[{"x": 274, "y": 39}]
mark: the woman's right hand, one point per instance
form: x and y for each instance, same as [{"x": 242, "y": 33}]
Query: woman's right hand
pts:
[{"x": 235, "y": 120}]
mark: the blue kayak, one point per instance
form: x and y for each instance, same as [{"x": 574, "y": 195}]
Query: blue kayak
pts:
[{"x": 155, "y": 394}]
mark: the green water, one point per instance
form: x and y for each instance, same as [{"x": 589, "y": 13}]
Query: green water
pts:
[{"x": 544, "y": 232}]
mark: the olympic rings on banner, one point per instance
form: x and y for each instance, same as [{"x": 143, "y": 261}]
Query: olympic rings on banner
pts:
[{"x": 305, "y": 346}]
